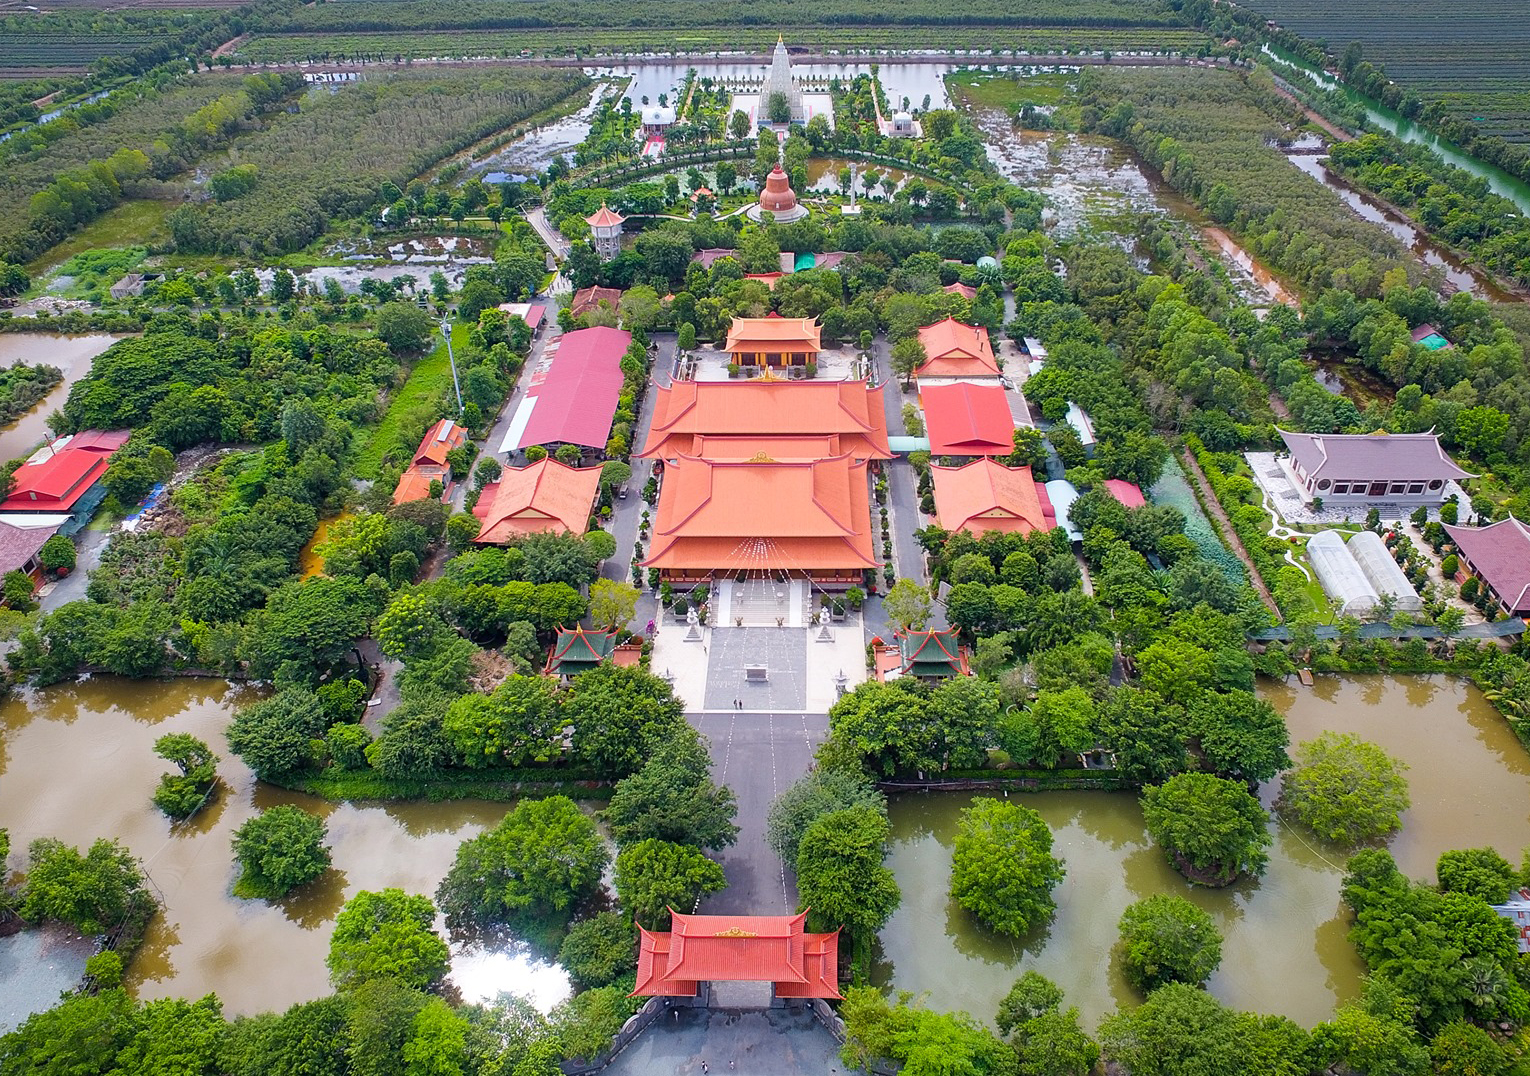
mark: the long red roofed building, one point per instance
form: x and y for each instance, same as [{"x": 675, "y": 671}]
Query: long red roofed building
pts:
[
  {"x": 968, "y": 420},
  {"x": 429, "y": 463},
  {"x": 58, "y": 478},
  {"x": 737, "y": 948},
  {"x": 953, "y": 350},
  {"x": 574, "y": 401},
  {"x": 1499, "y": 555}
]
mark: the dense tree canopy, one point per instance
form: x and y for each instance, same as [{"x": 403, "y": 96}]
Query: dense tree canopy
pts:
[
  {"x": 1212, "y": 829},
  {"x": 1002, "y": 867},
  {"x": 1166, "y": 939},
  {"x": 387, "y": 934},
  {"x": 1345, "y": 789},
  {"x": 279, "y": 849}
]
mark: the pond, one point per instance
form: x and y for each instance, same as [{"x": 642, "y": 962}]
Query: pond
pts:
[
  {"x": 1285, "y": 948},
  {"x": 71, "y": 354},
  {"x": 255, "y": 955}
]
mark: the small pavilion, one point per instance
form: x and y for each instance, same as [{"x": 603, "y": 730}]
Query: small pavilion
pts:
[
  {"x": 932, "y": 655},
  {"x": 580, "y": 649},
  {"x": 737, "y": 948},
  {"x": 774, "y": 341},
  {"x": 606, "y": 231}
]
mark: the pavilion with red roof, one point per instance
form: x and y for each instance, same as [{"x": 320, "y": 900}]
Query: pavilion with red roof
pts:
[{"x": 774, "y": 949}]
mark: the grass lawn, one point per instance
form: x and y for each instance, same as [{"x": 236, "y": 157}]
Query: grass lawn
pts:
[
  {"x": 431, "y": 377},
  {"x": 991, "y": 89},
  {"x": 135, "y": 223}
]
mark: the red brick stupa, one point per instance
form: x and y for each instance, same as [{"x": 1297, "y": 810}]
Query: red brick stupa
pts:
[{"x": 778, "y": 199}]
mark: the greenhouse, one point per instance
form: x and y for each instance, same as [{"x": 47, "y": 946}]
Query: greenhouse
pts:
[
  {"x": 1381, "y": 568},
  {"x": 1341, "y": 575}
]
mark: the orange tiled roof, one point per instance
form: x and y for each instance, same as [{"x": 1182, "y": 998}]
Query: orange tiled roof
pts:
[
  {"x": 544, "y": 496},
  {"x": 438, "y": 441},
  {"x": 738, "y": 948},
  {"x": 414, "y": 485},
  {"x": 587, "y": 299},
  {"x": 774, "y": 334},
  {"x": 713, "y": 516},
  {"x": 603, "y": 218},
  {"x": 987, "y": 496},
  {"x": 956, "y": 350},
  {"x": 688, "y": 411},
  {"x": 966, "y": 291}
]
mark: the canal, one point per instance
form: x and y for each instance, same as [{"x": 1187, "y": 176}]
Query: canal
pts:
[
  {"x": 1285, "y": 949},
  {"x": 71, "y": 354}
]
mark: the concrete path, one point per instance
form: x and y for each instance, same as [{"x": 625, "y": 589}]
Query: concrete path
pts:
[
  {"x": 758, "y": 756},
  {"x": 560, "y": 247},
  {"x": 88, "y": 548},
  {"x": 772, "y": 1042}
]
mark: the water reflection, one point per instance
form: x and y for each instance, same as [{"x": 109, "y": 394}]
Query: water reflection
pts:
[
  {"x": 71, "y": 354},
  {"x": 1285, "y": 947},
  {"x": 255, "y": 955}
]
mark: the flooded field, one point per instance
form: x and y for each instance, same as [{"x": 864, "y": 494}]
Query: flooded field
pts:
[
  {"x": 71, "y": 354},
  {"x": 1285, "y": 948},
  {"x": 255, "y": 955}
]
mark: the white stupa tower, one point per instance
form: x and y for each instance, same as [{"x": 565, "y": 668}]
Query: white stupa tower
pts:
[{"x": 780, "y": 81}]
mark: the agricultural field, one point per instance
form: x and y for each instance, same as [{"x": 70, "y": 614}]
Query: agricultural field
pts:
[
  {"x": 1471, "y": 57},
  {"x": 26, "y": 55},
  {"x": 286, "y": 48}
]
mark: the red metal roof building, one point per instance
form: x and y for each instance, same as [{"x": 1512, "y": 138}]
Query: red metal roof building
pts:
[
  {"x": 1499, "y": 555},
  {"x": 968, "y": 420},
  {"x": 541, "y": 497},
  {"x": 737, "y": 948},
  {"x": 576, "y": 399},
  {"x": 429, "y": 463},
  {"x": 57, "y": 478},
  {"x": 1128, "y": 493}
]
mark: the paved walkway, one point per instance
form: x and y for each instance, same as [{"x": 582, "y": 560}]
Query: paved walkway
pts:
[
  {"x": 555, "y": 242},
  {"x": 758, "y": 756},
  {"x": 773, "y": 1042}
]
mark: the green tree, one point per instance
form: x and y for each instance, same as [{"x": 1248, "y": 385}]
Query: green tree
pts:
[
  {"x": 907, "y": 605},
  {"x": 1182, "y": 1029},
  {"x": 273, "y": 736},
  {"x": 653, "y": 876},
  {"x": 278, "y": 850},
  {"x": 462, "y": 531},
  {"x": 387, "y": 934},
  {"x": 1239, "y": 735},
  {"x": 673, "y": 798},
  {"x": 600, "y": 949},
  {"x": 410, "y": 627},
  {"x": 738, "y": 125},
  {"x": 438, "y": 1044},
  {"x": 612, "y": 604},
  {"x": 1462, "y": 1049},
  {"x": 811, "y": 796},
  {"x": 840, "y": 873},
  {"x": 906, "y": 356},
  {"x": 1212, "y": 829},
  {"x": 1002, "y": 867},
  {"x": 540, "y": 861},
  {"x": 1345, "y": 789},
  {"x": 93, "y": 893},
  {"x": 57, "y": 554},
  {"x": 1480, "y": 872},
  {"x": 182, "y": 795},
  {"x": 1166, "y": 939},
  {"x": 621, "y": 717},
  {"x": 1047, "y": 1040},
  {"x": 516, "y": 724}
]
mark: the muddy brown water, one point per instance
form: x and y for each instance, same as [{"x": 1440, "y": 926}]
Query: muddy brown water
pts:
[
  {"x": 71, "y": 354},
  {"x": 77, "y": 762},
  {"x": 1285, "y": 948}
]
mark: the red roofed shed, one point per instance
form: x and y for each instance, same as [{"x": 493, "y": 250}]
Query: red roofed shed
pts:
[
  {"x": 57, "y": 482},
  {"x": 738, "y": 948}
]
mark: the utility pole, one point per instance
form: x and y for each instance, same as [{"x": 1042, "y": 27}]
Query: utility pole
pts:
[{"x": 446, "y": 332}]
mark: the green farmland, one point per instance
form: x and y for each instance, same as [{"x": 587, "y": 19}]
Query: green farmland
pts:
[{"x": 1471, "y": 57}]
